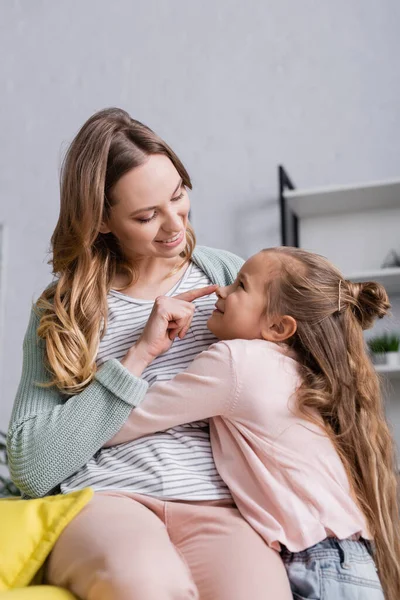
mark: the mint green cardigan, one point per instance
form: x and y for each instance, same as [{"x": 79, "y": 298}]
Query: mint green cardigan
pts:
[{"x": 50, "y": 437}]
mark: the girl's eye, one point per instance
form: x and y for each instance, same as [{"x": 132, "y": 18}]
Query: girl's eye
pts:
[
  {"x": 240, "y": 284},
  {"x": 148, "y": 220}
]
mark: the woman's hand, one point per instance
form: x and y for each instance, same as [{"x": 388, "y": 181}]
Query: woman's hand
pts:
[{"x": 170, "y": 318}]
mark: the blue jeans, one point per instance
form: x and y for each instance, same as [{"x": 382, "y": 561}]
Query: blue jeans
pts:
[{"x": 333, "y": 570}]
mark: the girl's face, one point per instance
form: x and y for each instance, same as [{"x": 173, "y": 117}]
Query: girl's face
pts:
[
  {"x": 150, "y": 210},
  {"x": 240, "y": 309}
]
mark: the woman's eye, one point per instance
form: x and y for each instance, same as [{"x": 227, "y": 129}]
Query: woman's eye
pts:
[
  {"x": 155, "y": 214},
  {"x": 148, "y": 220},
  {"x": 178, "y": 197}
]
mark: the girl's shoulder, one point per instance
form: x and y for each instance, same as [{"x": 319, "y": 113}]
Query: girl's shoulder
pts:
[
  {"x": 221, "y": 266},
  {"x": 269, "y": 357}
]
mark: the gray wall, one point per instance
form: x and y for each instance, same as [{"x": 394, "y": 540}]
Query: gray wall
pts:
[{"x": 234, "y": 86}]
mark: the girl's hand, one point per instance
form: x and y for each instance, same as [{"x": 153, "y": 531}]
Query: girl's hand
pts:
[{"x": 170, "y": 318}]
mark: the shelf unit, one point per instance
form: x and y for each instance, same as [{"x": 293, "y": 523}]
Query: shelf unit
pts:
[
  {"x": 297, "y": 203},
  {"x": 389, "y": 278},
  {"x": 344, "y": 199},
  {"x": 389, "y": 371}
]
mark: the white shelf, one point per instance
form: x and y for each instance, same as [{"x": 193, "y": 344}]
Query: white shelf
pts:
[
  {"x": 389, "y": 278},
  {"x": 389, "y": 371},
  {"x": 344, "y": 199}
]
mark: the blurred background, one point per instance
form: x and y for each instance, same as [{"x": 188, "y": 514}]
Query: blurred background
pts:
[{"x": 236, "y": 88}]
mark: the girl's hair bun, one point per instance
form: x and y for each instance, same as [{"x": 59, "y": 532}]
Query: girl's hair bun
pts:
[{"x": 369, "y": 301}]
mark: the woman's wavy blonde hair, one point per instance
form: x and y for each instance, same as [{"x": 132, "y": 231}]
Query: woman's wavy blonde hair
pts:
[
  {"x": 73, "y": 310},
  {"x": 341, "y": 384}
]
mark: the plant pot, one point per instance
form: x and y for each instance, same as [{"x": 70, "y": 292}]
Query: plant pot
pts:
[
  {"x": 392, "y": 359},
  {"x": 379, "y": 358}
]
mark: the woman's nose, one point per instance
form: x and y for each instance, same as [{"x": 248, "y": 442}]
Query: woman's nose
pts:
[{"x": 173, "y": 222}]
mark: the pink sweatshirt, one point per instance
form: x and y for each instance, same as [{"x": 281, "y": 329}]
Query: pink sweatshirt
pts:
[{"x": 283, "y": 471}]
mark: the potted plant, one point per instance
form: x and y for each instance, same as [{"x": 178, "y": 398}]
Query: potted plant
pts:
[
  {"x": 7, "y": 488},
  {"x": 385, "y": 349}
]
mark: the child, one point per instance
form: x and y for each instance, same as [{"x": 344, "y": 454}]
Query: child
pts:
[{"x": 298, "y": 431}]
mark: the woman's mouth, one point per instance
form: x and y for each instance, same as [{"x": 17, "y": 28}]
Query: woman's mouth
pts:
[{"x": 172, "y": 241}]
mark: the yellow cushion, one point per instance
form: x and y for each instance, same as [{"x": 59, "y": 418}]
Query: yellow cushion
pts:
[
  {"x": 37, "y": 592},
  {"x": 28, "y": 532}
]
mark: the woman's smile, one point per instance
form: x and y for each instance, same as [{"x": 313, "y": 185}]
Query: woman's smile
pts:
[{"x": 173, "y": 241}]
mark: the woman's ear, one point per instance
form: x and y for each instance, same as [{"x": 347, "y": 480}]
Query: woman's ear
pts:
[{"x": 279, "y": 329}]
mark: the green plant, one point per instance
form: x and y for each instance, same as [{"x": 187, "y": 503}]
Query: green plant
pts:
[
  {"x": 7, "y": 488},
  {"x": 388, "y": 342}
]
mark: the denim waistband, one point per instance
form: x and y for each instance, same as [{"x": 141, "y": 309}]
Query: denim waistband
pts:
[{"x": 331, "y": 547}]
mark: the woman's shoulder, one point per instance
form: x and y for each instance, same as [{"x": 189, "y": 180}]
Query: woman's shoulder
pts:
[
  {"x": 221, "y": 266},
  {"x": 46, "y": 292},
  {"x": 217, "y": 255},
  {"x": 37, "y": 310}
]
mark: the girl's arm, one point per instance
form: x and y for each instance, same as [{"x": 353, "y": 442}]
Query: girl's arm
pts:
[
  {"x": 206, "y": 389},
  {"x": 50, "y": 437}
]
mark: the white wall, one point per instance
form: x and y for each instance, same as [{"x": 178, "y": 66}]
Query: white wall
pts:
[{"x": 234, "y": 86}]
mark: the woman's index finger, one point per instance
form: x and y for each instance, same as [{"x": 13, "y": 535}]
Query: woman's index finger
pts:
[{"x": 194, "y": 294}]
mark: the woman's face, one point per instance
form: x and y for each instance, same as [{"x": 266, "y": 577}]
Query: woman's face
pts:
[{"x": 150, "y": 210}]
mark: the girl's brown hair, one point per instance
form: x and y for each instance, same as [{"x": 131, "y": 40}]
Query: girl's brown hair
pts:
[
  {"x": 73, "y": 310},
  {"x": 341, "y": 384}
]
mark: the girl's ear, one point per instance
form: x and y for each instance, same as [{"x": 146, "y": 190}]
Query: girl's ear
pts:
[
  {"x": 104, "y": 228},
  {"x": 279, "y": 329}
]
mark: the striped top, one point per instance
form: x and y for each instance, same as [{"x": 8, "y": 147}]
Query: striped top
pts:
[
  {"x": 51, "y": 436},
  {"x": 174, "y": 464}
]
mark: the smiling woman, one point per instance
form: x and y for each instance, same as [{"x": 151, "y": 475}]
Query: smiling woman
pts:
[
  {"x": 146, "y": 232},
  {"x": 122, "y": 240},
  {"x": 149, "y": 230}
]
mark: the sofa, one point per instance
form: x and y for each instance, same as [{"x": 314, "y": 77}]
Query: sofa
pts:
[{"x": 28, "y": 532}]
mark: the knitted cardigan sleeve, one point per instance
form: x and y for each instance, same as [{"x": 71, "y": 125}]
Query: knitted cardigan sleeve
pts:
[{"x": 52, "y": 435}]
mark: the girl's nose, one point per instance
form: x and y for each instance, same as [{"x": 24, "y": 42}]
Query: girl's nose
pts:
[{"x": 221, "y": 292}]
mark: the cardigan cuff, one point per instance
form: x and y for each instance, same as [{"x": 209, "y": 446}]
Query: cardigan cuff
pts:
[{"x": 117, "y": 379}]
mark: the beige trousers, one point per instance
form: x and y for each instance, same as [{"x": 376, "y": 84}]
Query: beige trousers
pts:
[{"x": 126, "y": 546}]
